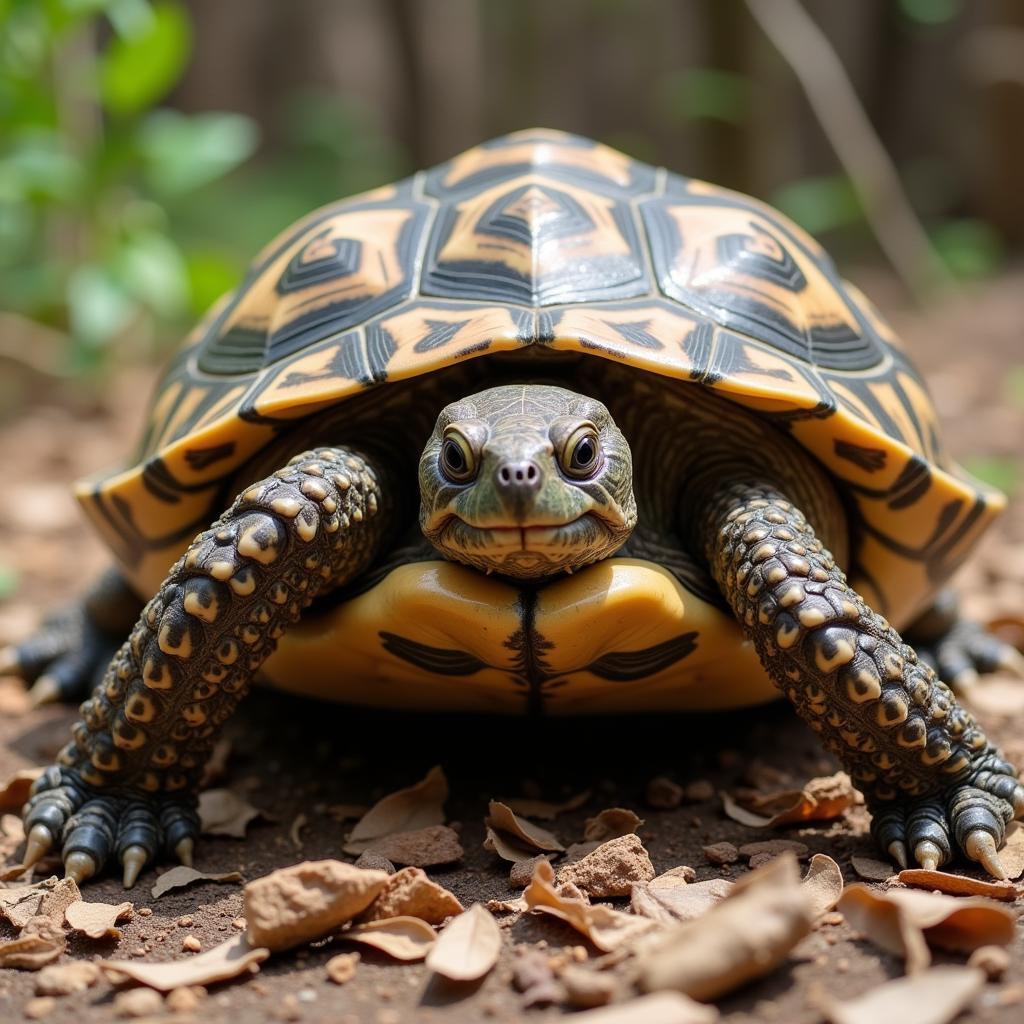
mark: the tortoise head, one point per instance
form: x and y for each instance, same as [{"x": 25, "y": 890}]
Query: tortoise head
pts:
[{"x": 526, "y": 480}]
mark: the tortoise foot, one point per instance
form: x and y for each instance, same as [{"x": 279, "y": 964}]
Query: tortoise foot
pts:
[
  {"x": 968, "y": 818},
  {"x": 92, "y": 826},
  {"x": 966, "y": 651}
]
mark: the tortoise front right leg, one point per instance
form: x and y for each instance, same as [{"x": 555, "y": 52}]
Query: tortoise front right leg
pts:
[{"x": 126, "y": 784}]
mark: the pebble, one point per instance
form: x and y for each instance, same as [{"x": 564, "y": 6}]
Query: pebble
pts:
[
  {"x": 185, "y": 922},
  {"x": 664, "y": 794},
  {"x": 185, "y": 1000},
  {"x": 699, "y": 791},
  {"x": 721, "y": 853},
  {"x": 138, "y": 1002},
  {"x": 190, "y": 944},
  {"x": 40, "y": 1007}
]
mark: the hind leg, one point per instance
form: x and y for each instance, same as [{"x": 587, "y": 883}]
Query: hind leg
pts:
[
  {"x": 66, "y": 656},
  {"x": 957, "y": 648}
]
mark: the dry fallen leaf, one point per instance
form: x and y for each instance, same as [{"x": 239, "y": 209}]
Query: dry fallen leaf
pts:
[
  {"x": 822, "y": 886},
  {"x": 656, "y": 1008},
  {"x": 610, "y": 823},
  {"x": 513, "y": 838},
  {"x": 182, "y": 875},
  {"x": 302, "y": 902},
  {"x": 97, "y": 920},
  {"x": 934, "y": 996},
  {"x": 14, "y": 791},
  {"x": 468, "y": 947},
  {"x": 958, "y": 885},
  {"x": 30, "y": 952},
  {"x": 822, "y": 799},
  {"x": 744, "y": 937},
  {"x": 409, "y": 893},
  {"x": 224, "y": 813},
  {"x": 406, "y": 810},
  {"x": 543, "y": 809},
  {"x": 906, "y": 922},
  {"x": 403, "y": 938},
  {"x": 1011, "y": 854},
  {"x": 688, "y": 901},
  {"x": 228, "y": 960},
  {"x": 870, "y": 869},
  {"x": 606, "y": 928},
  {"x": 48, "y": 898},
  {"x": 421, "y": 848},
  {"x": 643, "y": 903}
]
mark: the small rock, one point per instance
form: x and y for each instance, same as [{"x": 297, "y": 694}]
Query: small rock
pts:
[
  {"x": 66, "y": 979},
  {"x": 186, "y": 921},
  {"x": 587, "y": 988},
  {"x": 37, "y": 1009},
  {"x": 422, "y": 848},
  {"x": 302, "y": 902},
  {"x": 775, "y": 847},
  {"x": 760, "y": 859},
  {"x": 721, "y": 853},
  {"x": 145, "y": 911},
  {"x": 190, "y": 944},
  {"x": 664, "y": 794},
  {"x": 699, "y": 791},
  {"x": 342, "y": 968},
  {"x": 532, "y": 975},
  {"x": 611, "y": 869},
  {"x": 238, "y": 924},
  {"x": 138, "y": 1002},
  {"x": 993, "y": 960},
  {"x": 289, "y": 1008},
  {"x": 185, "y": 1000},
  {"x": 522, "y": 871},
  {"x": 409, "y": 893},
  {"x": 375, "y": 862}
]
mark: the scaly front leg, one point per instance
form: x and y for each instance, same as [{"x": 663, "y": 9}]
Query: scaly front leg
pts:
[
  {"x": 126, "y": 784},
  {"x": 933, "y": 781}
]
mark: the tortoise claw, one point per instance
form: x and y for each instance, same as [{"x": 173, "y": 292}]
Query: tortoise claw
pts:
[
  {"x": 1010, "y": 660},
  {"x": 928, "y": 855},
  {"x": 45, "y": 690},
  {"x": 133, "y": 860},
  {"x": 980, "y": 846},
  {"x": 10, "y": 663},
  {"x": 79, "y": 866},
  {"x": 184, "y": 850},
  {"x": 898, "y": 851},
  {"x": 39, "y": 844}
]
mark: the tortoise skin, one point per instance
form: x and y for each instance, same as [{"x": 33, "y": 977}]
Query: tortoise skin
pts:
[{"x": 546, "y": 240}]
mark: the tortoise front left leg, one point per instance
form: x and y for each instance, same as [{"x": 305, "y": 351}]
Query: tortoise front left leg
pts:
[
  {"x": 933, "y": 781},
  {"x": 126, "y": 784}
]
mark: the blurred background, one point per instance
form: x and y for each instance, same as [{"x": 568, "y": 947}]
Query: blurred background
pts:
[{"x": 148, "y": 148}]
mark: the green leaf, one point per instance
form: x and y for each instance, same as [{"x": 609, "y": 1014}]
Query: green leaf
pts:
[
  {"x": 820, "y": 204},
  {"x": 98, "y": 306},
  {"x": 182, "y": 151},
  {"x": 138, "y": 70},
  {"x": 210, "y": 274},
  {"x": 971, "y": 248},
  {"x": 150, "y": 268},
  {"x": 996, "y": 470},
  {"x": 8, "y": 581},
  {"x": 707, "y": 93},
  {"x": 930, "y": 12},
  {"x": 1013, "y": 385}
]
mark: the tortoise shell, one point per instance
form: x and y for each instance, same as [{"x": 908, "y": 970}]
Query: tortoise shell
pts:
[{"x": 545, "y": 239}]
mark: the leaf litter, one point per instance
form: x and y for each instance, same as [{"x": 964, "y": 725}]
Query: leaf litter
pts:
[
  {"x": 98, "y": 920},
  {"x": 821, "y": 799},
  {"x": 181, "y": 876},
  {"x": 514, "y": 838},
  {"x": 222, "y": 812},
  {"x": 402, "y": 938},
  {"x": 468, "y": 947},
  {"x": 228, "y": 960},
  {"x": 406, "y": 810}
]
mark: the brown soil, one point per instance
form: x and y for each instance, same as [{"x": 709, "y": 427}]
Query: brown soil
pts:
[{"x": 292, "y": 756}]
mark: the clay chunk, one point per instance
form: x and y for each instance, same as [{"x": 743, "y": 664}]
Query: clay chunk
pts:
[
  {"x": 300, "y": 903},
  {"x": 612, "y": 869},
  {"x": 409, "y": 893}
]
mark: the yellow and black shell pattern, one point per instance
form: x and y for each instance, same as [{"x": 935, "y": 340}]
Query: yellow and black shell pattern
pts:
[{"x": 545, "y": 239}]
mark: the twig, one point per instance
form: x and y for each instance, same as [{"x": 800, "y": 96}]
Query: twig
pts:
[{"x": 834, "y": 101}]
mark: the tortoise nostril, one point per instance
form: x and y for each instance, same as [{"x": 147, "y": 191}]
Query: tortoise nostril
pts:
[{"x": 518, "y": 477}]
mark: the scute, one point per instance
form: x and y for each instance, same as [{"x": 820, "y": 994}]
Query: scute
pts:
[{"x": 545, "y": 239}]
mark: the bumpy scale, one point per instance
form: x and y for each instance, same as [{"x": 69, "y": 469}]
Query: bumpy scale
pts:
[
  {"x": 897, "y": 729},
  {"x": 149, "y": 726}
]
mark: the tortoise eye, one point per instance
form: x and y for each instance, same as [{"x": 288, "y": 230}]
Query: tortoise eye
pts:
[
  {"x": 582, "y": 452},
  {"x": 458, "y": 463}
]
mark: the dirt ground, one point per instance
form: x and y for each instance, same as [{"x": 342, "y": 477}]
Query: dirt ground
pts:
[{"x": 291, "y": 756}]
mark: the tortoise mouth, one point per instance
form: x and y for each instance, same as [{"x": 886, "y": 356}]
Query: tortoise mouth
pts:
[{"x": 528, "y": 550}]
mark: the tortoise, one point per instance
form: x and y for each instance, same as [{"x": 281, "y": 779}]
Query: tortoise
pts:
[{"x": 659, "y": 432}]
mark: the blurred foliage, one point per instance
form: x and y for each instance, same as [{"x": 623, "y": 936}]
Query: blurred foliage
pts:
[
  {"x": 120, "y": 221},
  {"x": 999, "y": 471}
]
